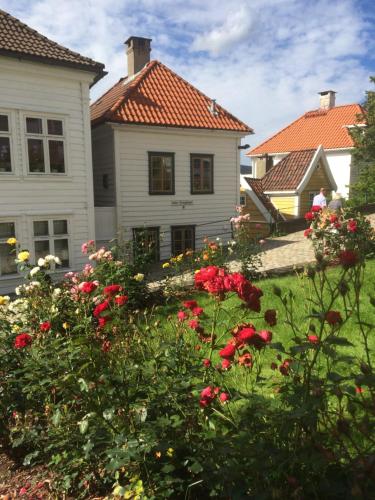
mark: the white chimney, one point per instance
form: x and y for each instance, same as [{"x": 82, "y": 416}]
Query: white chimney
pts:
[
  {"x": 327, "y": 99},
  {"x": 138, "y": 53}
]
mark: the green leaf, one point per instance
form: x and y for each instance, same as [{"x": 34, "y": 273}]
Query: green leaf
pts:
[
  {"x": 168, "y": 468},
  {"x": 339, "y": 341},
  {"x": 83, "y": 385},
  {"x": 83, "y": 426},
  {"x": 196, "y": 468},
  {"x": 108, "y": 414},
  {"x": 56, "y": 419},
  {"x": 28, "y": 459},
  {"x": 335, "y": 377}
]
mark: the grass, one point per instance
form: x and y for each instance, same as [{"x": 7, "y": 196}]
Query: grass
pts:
[{"x": 299, "y": 290}]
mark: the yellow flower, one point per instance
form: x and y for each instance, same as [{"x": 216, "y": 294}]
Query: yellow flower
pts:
[
  {"x": 4, "y": 300},
  {"x": 23, "y": 256},
  {"x": 65, "y": 325},
  {"x": 165, "y": 265},
  {"x": 180, "y": 257},
  {"x": 196, "y": 271},
  {"x": 16, "y": 328},
  {"x": 139, "y": 277},
  {"x": 158, "y": 454},
  {"x": 11, "y": 241},
  {"x": 170, "y": 452}
]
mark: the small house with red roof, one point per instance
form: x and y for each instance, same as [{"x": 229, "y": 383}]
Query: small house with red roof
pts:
[
  {"x": 328, "y": 126},
  {"x": 287, "y": 190},
  {"x": 46, "y": 194},
  {"x": 166, "y": 158}
]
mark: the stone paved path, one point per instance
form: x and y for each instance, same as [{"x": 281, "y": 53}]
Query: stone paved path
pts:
[{"x": 293, "y": 250}]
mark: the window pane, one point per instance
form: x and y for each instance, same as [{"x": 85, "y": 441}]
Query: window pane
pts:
[
  {"x": 4, "y": 124},
  {"x": 34, "y": 126},
  {"x": 41, "y": 228},
  {"x": 36, "y": 155},
  {"x": 161, "y": 180},
  {"x": 55, "y": 127},
  {"x": 60, "y": 227},
  {"x": 5, "y": 161},
  {"x": 7, "y": 230},
  {"x": 167, "y": 185},
  {"x": 56, "y": 157},
  {"x": 41, "y": 249},
  {"x": 62, "y": 251},
  {"x": 7, "y": 264},
  {"x": 207, "y": 176}
]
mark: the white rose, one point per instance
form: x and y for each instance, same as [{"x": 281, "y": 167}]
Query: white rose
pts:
[
  {"x": 58, "y": 261},
  {"x": 41, "y": 262},
  {"x": 34, "y": 271}
]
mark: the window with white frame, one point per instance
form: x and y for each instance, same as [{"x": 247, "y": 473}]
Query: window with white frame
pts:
[
  {"x": 51, "y": 236},
  {"x": 45, "y": 139},
  {"x": 7, "y": 255},
  {"x": 5, "y": 144}
]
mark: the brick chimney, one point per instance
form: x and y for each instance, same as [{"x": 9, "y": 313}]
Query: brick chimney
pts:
[
  {"x": 138, "y": 53},
  {"x": 327, "y": 99}
]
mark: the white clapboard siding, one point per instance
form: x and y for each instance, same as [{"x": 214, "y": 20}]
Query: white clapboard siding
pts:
[
  {"x": 136, "y": 208},
  {"x": 47, "y": 90}
]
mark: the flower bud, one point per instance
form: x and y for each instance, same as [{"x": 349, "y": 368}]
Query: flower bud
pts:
[{"x": 277, "y": 291}]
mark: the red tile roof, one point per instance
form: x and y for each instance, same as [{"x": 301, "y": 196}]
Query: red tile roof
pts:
[
  {"x": 289, "y": 172},
  {"x": 256, "y": 186},
  {"x": 325, "y": 127},
  {"x": 20, "y": 41},
  {"x": 158, "y": 96}
]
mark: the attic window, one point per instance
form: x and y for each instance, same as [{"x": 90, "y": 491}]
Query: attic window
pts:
[{"x": 212, "y": 108}]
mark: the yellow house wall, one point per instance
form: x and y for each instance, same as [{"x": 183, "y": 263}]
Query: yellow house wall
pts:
[
  {"x": 318, "y": 179},
  {"x": 286, "y": 205}
]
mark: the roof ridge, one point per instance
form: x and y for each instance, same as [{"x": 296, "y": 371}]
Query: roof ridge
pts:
[{"x": 34, "y": 31}]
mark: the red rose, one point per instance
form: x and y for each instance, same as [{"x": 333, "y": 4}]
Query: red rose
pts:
[
  {"x": 206, "y": 362},
  {"x": 112, "y": 290},
  {"x": 103, "y": 306},
  {"x": 190, "y": 304},
  {"x": 307, "y": 232},
  {"x": 333, "y": 218},
  {"x": 22, "y": 340},
  {"x": 352, "y": 226},
  {"x": 228, "y": 351},
  {"x": 194, "y": 324},
  {"x": 313, "y": 339},
  {"x": 309, "y": 216},
  {"x": 245, "y": 335},
  {"x": 120, "y": 300},
  {"x": 45, "y": 326},
  {"x": 207, "y": 396},
  {"x": 226, "y": 364},
  {"x": 358, "y": 389},
  {"x": 270, "y": 317},
  {"x": 197, "y": 311},
  {"x": 181, "y": 315},
  {"x": 224, "y": 397},
  {"x": 205, "y": 274},
  {"x": 266, "y": 336},
  {"x": 316, "y": 208},
  {"x": 333, "y": 317},
  {"x": 87, "y": 286},
  {"x": 102, "y": 322},
  {"x": 348, "y": 258}
]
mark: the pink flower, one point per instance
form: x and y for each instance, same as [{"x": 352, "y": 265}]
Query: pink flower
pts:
[
  {"x": 224, "y": 397},
  {"x": 89, "y": 245},
  {"x": 313, "y": 339},
  {"x": 181, "y": 315},
  {"x": 226, "y": 364},
  {"x": 245, "y": 335},
  {"x": 193, "y": 324},
  {"x": 207, "y": 396},
  {"x": 197, "y": 311},
  {"x": 262, "y": 242},
  {"x": 352, "y": 226},
  {"x": 266, "y": 336},
  {"x": 307, "y": 232}
]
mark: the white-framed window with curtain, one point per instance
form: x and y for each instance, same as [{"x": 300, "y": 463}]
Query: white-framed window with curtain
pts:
[
  {"x": 6, "y": 160},
  {"x": 51, "y": 236}
]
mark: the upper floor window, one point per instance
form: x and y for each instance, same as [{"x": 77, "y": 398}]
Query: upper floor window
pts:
[
  {"x": 51, "y": 237},
  {"x": 45, "y": 145},
  {"x": 5, "y": 153},
  {"x": 161, "y": 173},
  {"x": 202, "y": 174},
  {"x": 7, "y": 255}
]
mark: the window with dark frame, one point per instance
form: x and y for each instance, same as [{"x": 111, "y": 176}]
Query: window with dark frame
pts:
[
  {"x": 161, "y": 173},
  {"x": 51, "y": 237},
  {"x": 7, "y": 256},
  {"x": 183, "y": 239},
  {"x": 5, "y": 154},
  {"x": 202, "y": 173},
  {"x": 147, "y": 242},
  {"x": 45, "y": 145},
  {"x": 243, "y": 200}
]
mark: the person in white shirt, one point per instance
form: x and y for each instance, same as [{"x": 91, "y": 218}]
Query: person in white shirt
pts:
[{"x": 320, "y": 199}]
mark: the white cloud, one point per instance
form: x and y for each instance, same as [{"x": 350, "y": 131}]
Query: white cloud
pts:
[{"x": 264, "y": 60}]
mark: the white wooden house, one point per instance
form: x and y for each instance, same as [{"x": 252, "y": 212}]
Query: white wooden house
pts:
[
  {"x": 46, "y": 193},
  {"x": 166, "y": 158}
]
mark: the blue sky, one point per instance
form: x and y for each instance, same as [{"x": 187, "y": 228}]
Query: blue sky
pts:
[{"x": 264, "y": 60}]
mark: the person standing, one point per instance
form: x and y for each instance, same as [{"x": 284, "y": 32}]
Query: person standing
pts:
[
  {"x": 335, "y": 203},
  {"x": 320, "y": 199}
]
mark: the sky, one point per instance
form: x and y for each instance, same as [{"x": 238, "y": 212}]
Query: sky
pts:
[{"x": 263, "y": 60}]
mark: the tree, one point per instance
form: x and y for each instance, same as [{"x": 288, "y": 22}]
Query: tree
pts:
[{"x": 363, "y": 158}]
